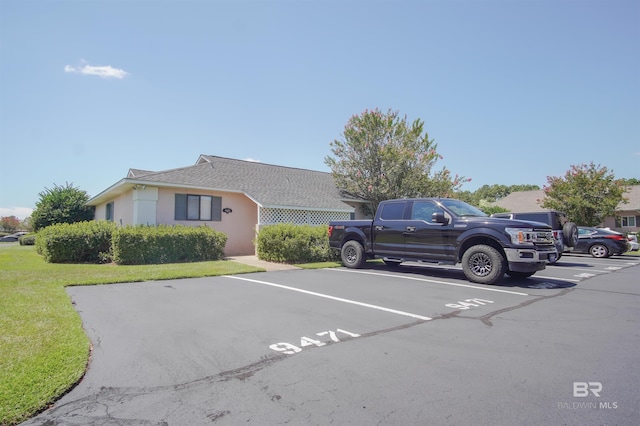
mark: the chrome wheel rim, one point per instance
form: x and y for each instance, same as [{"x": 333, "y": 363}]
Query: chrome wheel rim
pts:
[
  {"x": 480, "y": 264},
  {"x": 350, "y": 255},
  {"x": 599, "y": 251}
]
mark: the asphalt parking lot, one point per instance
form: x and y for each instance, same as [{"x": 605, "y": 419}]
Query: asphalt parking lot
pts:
[{"x": 380, "y": 345}]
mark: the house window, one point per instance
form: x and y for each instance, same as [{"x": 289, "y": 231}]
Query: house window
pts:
[
  {"x": 109, "y": 211},
  {"x": 198, "y": 207},
  {"x": 628, "y": 221}
]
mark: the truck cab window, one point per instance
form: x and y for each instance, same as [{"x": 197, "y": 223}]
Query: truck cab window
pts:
[
  {"x": 393, "y": 211},
  {"x": 423, "y": 211}
]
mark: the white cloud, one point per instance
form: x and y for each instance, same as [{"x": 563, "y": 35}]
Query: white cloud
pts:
[
  {"x": 252, "y": 160},
  {"x": 100, "y": 71},
  {"x": 19, "y": 212}
]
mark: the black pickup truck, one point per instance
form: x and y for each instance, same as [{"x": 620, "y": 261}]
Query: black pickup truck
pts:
[{"x": 445, "y": 231}]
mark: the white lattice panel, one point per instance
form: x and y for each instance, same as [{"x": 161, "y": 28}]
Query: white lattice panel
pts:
[{"x": 269, "y": 216}]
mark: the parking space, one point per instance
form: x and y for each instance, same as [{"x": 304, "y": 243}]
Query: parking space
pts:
[
  {"x": 577, "y": 267},
  {"x": 296, "y": 345}
]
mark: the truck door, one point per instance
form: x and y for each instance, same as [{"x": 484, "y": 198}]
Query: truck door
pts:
[
  {"x": 388, "y": 229},
  {"x": 424, "y": 238}
]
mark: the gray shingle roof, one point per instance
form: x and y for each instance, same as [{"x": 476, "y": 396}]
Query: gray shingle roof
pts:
[
  {"x": 137, "y": 173},
  {"x": 527, "y": 201},
  {"x": 522, "y": 201},
  {"x": 633, "y": 197},
  {"x": 268, "y": 185}
]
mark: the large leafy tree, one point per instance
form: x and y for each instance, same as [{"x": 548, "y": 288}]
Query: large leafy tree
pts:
[
  {"x": 61, "y": 204},
  {"x": 487, "y": 194},
  {"x": 382, "y": 156},
  {"x": 9, "y": 223},
  {"x": 587, "y": 193}
]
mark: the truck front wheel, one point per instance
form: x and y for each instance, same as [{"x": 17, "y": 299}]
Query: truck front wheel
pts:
[
  {"x": 352, "y": 254},
  {"x": 483, "y": 264}
]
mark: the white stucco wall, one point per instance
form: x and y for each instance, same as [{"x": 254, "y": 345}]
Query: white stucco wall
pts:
[
  {"x": 145, "y": 201},
  {"x": 122, "y": 209}
]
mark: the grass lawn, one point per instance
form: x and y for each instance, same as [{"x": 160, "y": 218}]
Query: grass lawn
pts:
[{"x": 43, "y": 348}]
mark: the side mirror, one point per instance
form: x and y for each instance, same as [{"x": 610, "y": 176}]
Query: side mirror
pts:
[{"x": 438, "y": 217}]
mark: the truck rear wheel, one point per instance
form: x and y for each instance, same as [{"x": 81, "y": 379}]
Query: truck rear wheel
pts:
[
  {"x": 483, "y": 264},
  {"x": 352, "y": 254}
]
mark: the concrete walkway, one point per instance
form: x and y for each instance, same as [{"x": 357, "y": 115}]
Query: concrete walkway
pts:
[{"x": 254, "y": 261}]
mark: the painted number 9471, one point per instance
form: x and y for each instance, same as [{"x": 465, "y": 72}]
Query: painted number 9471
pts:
[
  {"x": 289, "y": 349},
  {"x": 468, "y": 303}
]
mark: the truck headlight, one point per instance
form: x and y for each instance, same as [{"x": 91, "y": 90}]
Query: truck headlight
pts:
[{"x": 521, "y": 235}]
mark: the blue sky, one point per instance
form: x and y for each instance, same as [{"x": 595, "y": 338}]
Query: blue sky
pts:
[{"x": 511, "y": 91}]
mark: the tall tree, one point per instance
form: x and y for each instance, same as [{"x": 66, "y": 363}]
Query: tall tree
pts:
[
  {"x": 9, "y": 223},
  {"x": 587, "y": 193},
  {"x": 382, "y": 157},
  {"x": 487, "y": 194},
  {"x": 632, "y": 181},
  {"x": 61, "y": 204}
]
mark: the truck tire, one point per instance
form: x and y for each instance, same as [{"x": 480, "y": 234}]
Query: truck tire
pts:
[
  {"x": 570, "y": 232},
  {"x": 483, "y": 264},
  {"x": 352, "y": 254}
]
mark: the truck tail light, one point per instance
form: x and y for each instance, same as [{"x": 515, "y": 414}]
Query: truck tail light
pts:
[{"x": 330, "y": 231}]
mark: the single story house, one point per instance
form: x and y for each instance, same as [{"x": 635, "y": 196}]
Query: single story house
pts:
[
  {"x": 625, "y": 220},
  {"x": 236, "y": 197}
]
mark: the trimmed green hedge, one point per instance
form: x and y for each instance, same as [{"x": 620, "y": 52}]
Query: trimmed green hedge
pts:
[
  {"x": 142, "y": 245},
  {"x": 289, "y": 243},
  {"x": 27, "y": 240},
  {"x": 78, "y": 242}
]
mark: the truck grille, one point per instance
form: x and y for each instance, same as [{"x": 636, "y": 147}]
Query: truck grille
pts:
[{"x": 543, "y": 237}]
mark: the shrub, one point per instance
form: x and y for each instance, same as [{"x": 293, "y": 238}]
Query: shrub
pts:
[
  {"x": 141, "y": 245},
  {"x": 27, "y": 240},
  {"x": 61, "y": 204},
  {"x": 76, "y": 243},
  {"x": 289, "y": 243}
]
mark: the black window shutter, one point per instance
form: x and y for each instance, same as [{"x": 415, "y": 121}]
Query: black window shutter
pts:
[
  {"x": 216, "y": 208},
  {"x": 181, "y": 207}
]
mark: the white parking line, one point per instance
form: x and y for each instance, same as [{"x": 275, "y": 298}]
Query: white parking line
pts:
[
  {"x": 564, "y": 279},
  {"x": 326, "y": 296},
  {"x": 585, "y": 275},
  {"x": 589, "y": 270},
  {"x": 429, "y": 281}
]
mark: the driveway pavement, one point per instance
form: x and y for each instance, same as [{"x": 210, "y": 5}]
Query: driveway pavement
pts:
[{"x": 408, "y": 345}]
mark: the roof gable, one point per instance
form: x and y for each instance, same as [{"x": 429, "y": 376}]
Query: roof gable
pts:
[
  {"x": 268, "y": 185},
  {"x": 137, "y": 173}
]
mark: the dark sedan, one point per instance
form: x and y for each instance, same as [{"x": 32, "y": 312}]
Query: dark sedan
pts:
[
  {"x": 600, "y": 242},
  {"x": 12, "y": 238}
]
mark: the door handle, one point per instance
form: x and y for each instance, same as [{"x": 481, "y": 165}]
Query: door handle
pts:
[
  {"x": 411, "y": 229},
  {"x": 379, "y": 228}
]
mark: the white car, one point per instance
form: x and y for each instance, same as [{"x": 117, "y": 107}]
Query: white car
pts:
[{"x": 633, "y": 242}]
